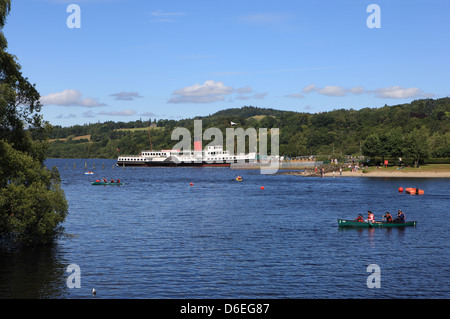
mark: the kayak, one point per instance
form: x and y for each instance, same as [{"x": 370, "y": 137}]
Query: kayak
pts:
[
  {"x": 103, "y": 183},
  {"x": 351, "y": 223},
  {"x": 414, "y": 191}
]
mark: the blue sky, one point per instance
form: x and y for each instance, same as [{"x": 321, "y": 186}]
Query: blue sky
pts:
[{"x": 175, "y": 59}]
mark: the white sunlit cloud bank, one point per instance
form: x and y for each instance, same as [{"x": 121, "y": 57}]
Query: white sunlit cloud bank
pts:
[
  {"x": 391, "y": 92},
  {"x": 212, "y": 91},
  {"x": 70, "y": 97}
]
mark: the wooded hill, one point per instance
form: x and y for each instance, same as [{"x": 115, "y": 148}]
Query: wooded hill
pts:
[{"x": 415, "y": 130}]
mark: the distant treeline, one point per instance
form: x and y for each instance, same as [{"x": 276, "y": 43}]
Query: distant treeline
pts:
[{"x": 412, "y": 131}]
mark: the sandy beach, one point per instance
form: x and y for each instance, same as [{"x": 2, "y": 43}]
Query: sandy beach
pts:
[
  {"x": 425, "y": 171},
  {"x": 392, "y": 173}
]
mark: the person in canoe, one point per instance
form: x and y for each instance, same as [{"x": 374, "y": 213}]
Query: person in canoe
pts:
[
  {"x": 112, "y": 181},
  {"x": 401, "y": 218},
  {"x": 359, "y": 219},
  {"x": 118, "y": 180},
  {"x": 387, "y": 218},
  {"x": 370, "y": 217}
]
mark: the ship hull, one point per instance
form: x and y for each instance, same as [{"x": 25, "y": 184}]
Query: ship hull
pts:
[
  {"x": 172, "y": 164},
  {"x": 212, "y": 156}
]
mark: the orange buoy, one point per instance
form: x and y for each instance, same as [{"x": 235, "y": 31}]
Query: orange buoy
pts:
[
  {"x": 262, "y": 187},
  {"x": 400, "y": 189}
]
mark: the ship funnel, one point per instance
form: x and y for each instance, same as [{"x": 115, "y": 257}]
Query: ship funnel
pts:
[{"x": 197, "y": 144}]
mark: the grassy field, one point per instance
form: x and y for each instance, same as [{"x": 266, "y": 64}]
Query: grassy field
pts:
[
  {"x": 422, "y": 168},
  {"x": 137, "y": 129},
  {"x": 81, "y": 137}
]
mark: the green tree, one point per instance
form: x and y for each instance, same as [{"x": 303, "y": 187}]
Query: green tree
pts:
[
  {"x": 32, "y": 205},
  {"x": 417, "y": 146},
  {"x": 395, "y": 143},
  {"x": 371, "y": 146},
  {"x": 440, "y": 144}
]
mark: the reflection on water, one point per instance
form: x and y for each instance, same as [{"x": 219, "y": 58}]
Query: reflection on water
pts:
[{"x": 32, "y": 272}]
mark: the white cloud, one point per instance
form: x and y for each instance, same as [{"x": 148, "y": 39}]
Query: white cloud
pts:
[
  {"x": 210, "y": 91},
  {"x": 90, "y": 113},
  {"x": 126, "y": 96},
  {"x": 118, "y": 113},
  {"x": 243, "y": 97},
  {"x": 69, "y": 98},
  {"x": 295, "y": 96},
  {"x": 246, "y": 89},
  {"x": 260, "y": 96},
  {"x": 332, "y": 90},
  {"x": 356, "y": 90},
  {"x": 244, "y": 94},
  {"x": 310, "y": 88},
  {"x": 392, "y": 92},
  {"x": 397, "y": 92},
  {"x": 149, "y": 114}
]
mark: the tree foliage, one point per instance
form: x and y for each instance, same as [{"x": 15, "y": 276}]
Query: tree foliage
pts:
[{"x": 32, "y": 205}]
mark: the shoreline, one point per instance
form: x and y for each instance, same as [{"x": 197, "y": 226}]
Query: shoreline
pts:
[
  {"x": 381, "y": 174},
  {"x": 384, "y": 174}
]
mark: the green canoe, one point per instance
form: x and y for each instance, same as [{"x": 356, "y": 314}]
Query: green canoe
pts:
[
  {"x": 351, "y": 223},
  {"x": 102, "y": 183}
]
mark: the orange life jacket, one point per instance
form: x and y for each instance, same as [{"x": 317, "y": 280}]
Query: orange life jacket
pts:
[{"x": 359, "y": 219}]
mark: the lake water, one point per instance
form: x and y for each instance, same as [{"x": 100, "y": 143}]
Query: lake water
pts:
[{"x": 159, "y": 237}]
